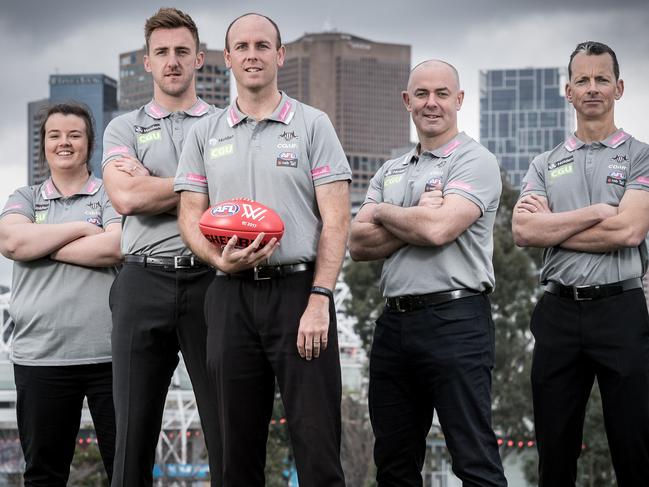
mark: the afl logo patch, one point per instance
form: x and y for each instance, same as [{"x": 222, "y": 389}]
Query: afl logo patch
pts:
[
  {"x": 616, "y": 177},
  {"x": 226, "y": 210},
  {"x": 287, "y": 159},
  {"x": 432, "y": 183}
]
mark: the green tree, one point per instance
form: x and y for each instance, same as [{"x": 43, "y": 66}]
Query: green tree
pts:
[
  {"x": 512, "y": 302},
  {"x": 87, "y": 469},
  {"x": 365, "y": 301},
  {"x": 357, "y": 443},
  {"x": 278, "y": 447}
]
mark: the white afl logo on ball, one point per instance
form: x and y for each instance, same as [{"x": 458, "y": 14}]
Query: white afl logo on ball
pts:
[{"x": 227, "y": 209}]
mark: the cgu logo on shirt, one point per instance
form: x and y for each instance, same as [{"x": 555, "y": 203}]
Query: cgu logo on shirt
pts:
[
  {"x": 222, "y": 150},
  {"x": 40, "y": 216},
  {"x": 561, "y": 167},
  {"x": 148, "y": 134}
]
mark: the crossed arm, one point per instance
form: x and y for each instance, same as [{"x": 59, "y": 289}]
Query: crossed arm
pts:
[
  {"x": 78, "y": 243},
  {"x": 380, "y": 229},
  {"x": 133, "y": 190},
  {"x": 595, "y": 228}
]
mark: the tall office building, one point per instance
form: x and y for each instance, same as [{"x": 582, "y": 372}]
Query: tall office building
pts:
[
  {"x": 136, "y": 85},
  {"x": 97, "y": 91},
  {"x": 358, "y": 83},
  {"x": 36, "y": 172},
  {"x": 523, "y": 112}
]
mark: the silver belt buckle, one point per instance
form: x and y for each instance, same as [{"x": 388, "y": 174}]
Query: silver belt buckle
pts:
[
  {"x": 575, "y": 293},
  {"x": 178, "y": 262},
  {"x": 256, "y": 276}
]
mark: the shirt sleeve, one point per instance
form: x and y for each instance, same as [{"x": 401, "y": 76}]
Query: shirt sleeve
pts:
[
  {"x": 475, "y": 175},
  {"x": 639, "y": 170},
  {"x": 534, "y": 180},
  {"x": 375, "y": 188},
  {"x": 20, "y": 202},
  {"x": 191, "y": 174},
  {"x": 109, "y": 215},
  {"x": 326, "y": 155},
  {"x": 119, "y": 140}
]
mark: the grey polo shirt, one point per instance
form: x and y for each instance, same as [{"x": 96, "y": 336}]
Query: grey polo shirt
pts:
[
  {"x": 464, "y": 167},
  {"x": 574, "y": 175},
  {"x": 278, "y": 162},
  {"x": 155, "y": 137},
  {"x": 61, "y": 310}
]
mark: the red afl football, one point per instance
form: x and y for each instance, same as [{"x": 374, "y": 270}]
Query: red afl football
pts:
[{"x": 241, "y": 217}]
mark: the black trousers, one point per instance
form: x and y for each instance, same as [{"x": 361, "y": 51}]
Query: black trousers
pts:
[
  {"x": 251, "y": 341},
  {"x": 48, "y": 407},
  {"x": 437, "y": 358},
  {"x": 156, "y": 313},
  {"x": 577, "y": 341}
]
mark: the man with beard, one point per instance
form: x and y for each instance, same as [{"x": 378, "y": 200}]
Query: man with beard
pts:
[{"x": 157, "y": 298}]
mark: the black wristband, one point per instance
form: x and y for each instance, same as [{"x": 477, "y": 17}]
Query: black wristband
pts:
[{"x": 324, "y": 291}]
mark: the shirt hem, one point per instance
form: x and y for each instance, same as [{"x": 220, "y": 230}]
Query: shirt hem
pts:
[{"x": 50, "y": 362}]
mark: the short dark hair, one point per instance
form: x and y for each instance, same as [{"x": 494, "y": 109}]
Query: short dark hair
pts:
[
  {"x": 170, "y": 18},
  {"x": 72, "y": 108},
  {"x": 596, "y": 49},
  {"x": 227, "y": 32}
]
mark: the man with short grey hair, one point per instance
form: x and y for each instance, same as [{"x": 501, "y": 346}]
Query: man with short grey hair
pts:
[
  {"x": 586, "y": 202},
  {"x": 430, "y": 214}
]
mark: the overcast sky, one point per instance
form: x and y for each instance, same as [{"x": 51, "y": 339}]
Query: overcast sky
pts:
[{"x": 40, "y": 38}]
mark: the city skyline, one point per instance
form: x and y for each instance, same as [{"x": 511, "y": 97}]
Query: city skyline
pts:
[{"x": 78, "y": 37}]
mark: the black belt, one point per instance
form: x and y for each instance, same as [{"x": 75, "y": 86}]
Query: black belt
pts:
[
  {"x": 588, "y": 293},
  {"x": 168, "y": 263},
  {"x": 414, "y": 302},
  {"x": 261, "y": 273}
]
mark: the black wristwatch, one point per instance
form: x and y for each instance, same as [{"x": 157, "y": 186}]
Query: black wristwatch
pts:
[{"x": 324, "y": 291}]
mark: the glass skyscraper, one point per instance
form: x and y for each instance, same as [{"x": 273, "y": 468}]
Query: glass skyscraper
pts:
[{"x": 523, "y": 112}]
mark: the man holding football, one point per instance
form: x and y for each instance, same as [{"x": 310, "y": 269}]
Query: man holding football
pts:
[
  {"x": 157, "y": 298},
  {"x": 270, "y": 310}
]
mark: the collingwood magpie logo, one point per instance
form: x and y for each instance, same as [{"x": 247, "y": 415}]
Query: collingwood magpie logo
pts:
[
  {"x": 620, "y": 158},
  {"x": 288, "y": 136}
]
